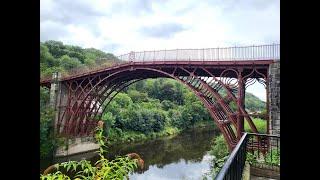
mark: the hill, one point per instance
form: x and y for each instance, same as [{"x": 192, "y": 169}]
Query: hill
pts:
[{"x": 55, "y": 56}]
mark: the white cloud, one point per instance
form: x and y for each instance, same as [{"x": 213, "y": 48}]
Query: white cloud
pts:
[
  {"x": 206, "y": 23},
  {"x": 116, "y": 25}
]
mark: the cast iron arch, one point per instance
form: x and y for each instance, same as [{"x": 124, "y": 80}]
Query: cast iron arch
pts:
[{"x": 217, "y": 105}]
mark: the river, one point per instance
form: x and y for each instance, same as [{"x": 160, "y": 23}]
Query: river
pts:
[{"x": 184, "y": 156}]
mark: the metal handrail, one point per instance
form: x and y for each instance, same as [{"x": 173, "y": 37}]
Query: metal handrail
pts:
[
  {"x": 260, "y": 52},
  {"x": 233, "y": 167},
  {"x": 269, "y": 135},
  {"x": 226, "y": 167}
]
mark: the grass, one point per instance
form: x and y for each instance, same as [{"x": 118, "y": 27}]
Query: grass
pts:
[
  {"x": 120, "y": 136},
  {"x": 261, "y": 125},
  {"x": 134, "y": 136}
]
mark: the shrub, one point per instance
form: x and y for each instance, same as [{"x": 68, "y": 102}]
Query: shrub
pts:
[
  {"x": 219, "y": 148},
  {"x": 119, "y": 168},
  {"x": 220, "y": 151}
]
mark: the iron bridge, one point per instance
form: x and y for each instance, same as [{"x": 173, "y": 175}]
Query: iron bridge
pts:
[{"x": 217, "y": 76}]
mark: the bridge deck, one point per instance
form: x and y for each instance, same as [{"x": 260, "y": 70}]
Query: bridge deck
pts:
[{"x": 216, "y": 67}]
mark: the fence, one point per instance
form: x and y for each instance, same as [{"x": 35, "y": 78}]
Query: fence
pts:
[
  {"x": 256, "y": 148},
  {"x": 261, "y": 52}
]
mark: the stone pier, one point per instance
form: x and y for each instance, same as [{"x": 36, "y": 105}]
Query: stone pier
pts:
[{"x": 274, "y": 98}]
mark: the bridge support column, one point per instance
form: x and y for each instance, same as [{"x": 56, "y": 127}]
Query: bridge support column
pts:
[
  {"x": 55, "y": 95},
  {"x": 241, "y": 103},
  {"x": 274, "y": 98},
  {"x": 59, "y": 95}
]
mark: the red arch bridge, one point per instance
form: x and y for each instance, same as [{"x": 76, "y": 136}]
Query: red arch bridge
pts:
[{"x": 217, "y": 76}]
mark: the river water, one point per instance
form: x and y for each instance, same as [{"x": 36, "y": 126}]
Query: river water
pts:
[{"x": 184, "y": 156}]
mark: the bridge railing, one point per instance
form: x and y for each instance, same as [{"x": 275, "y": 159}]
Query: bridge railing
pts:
[
  {"x": 261, "y": 52},
  {"x": 242, "y": 53},
  {"x": 233, "y": 167},
  {"x": 261, "y": 150}
]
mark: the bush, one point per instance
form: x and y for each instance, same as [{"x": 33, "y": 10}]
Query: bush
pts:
[
  {"x": 271, "y": 158},
  {"x": 219, "y": 148},
  {"x": 119, "y": 168},
  {"x": 144, "y": 120}
]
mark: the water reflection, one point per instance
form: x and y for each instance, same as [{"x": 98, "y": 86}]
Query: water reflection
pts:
[
  {"x": 179, "y": 170},
  {"x": 181, "y": 157}
]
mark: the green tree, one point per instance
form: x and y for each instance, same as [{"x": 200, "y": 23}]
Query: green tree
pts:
[
  {"x": 69, "y": 63},
  {"x": 46, "y": 129},
  {"x": 56, "y": 48},
  {"x": 137, "y": 96}
]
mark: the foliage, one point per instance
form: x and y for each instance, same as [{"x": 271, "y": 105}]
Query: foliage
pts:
[
  {"x": 252, "y": 157},
  {"x": 253, "y": 103},
  {"x": 150, "y": 106},
  {"x": 220, "y": 151},
  {"x": 55, "y": 56},
  {"x": 260, "y": 124},
  {"x": 46, "y": 119},
  {"x": 119, "y": 168},
  {"x": 55, "y": 176},
  {"x": 271, "y": 158},
  {"x": 220, "y": 147}
]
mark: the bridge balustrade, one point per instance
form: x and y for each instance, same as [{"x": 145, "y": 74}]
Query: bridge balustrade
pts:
[
  {"x": 242, "y": 53},
  {"x": 261, "y": 52}
]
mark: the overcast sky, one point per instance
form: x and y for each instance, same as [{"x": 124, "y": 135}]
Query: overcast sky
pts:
[{"x": 120, "y": 26}]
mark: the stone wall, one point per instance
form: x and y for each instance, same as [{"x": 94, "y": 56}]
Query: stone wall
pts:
[
  {"x": 274, "y": 98},
  {"x": 76, "y": 146}
]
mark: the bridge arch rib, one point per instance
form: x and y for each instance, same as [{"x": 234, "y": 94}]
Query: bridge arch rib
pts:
[{"x": 86, "y": 95}]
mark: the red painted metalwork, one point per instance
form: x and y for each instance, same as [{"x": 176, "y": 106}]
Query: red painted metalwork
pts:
[{"x": 217, "y": 83}]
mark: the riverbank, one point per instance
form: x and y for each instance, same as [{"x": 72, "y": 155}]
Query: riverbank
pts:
[{"x": 117, "y": 136}]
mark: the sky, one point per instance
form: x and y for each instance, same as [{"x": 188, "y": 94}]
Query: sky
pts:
[{"x": 121, "y": 26}]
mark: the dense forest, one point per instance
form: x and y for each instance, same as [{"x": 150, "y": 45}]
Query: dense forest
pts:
[{"x": 146, "y": 109}]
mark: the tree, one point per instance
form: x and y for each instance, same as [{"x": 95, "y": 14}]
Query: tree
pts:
[
  {"x": 56, "y": 48},
  {"x": 137, "y": 96},
  {"x": 69, "y": 63},
  {"x": 166, "y": 105},
  {"x": 46, "y": 59},
  {"x": 123, "y": 100},
  {"x": 46, "y": 129}
]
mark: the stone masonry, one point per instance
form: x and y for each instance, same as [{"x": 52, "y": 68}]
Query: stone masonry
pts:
[{"x": 274, "y": 98}]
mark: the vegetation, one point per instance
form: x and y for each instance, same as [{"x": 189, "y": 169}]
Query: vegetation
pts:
[
  {"x": 55, "y": 56},
  {"x": 260, "y": 124},
  {"x": 253, "y": 103},
  {"x": 270, "y": 158},
  {"x": 46, "y": 120},
  {"x": 220, "y": 152},
  {"x": 219, "y": 148},
  {"x": 119, "y": 168}
]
